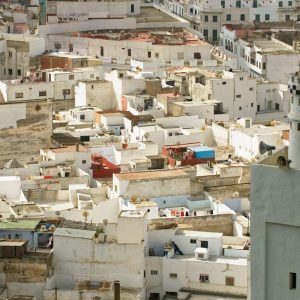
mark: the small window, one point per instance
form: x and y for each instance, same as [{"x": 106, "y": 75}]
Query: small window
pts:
[
  {"x": 267, "y": 17},
  {"x": 92, "y": 86},
  {"x": 215, "y": 18},
  {"x": 19, "y": 95},
  {"x": 42, "y": 93},
  {"x": 154, "y": 272},
  {"x": 149, "y": 54},
  {"x": 193, "y": 241},
  {"x": 132, "y": 8},
  {"x": 71, "y": 77},
  {"x": 238, "y": 96},
  {"x": 228, "y": 17},
  {"x": 280, "y": 3},
  {"x": 82, "y": 117},
  {"x": 252, "y": 104},
  {"x": 287, "y": 18},
  {"x": 9, "y": 54},
  {"x": 197, "y": 55},
  {"x": 240, "y": 108},
  {"x": 66, "y": 92},
  {"x": 242, "y": 17},
  {"x": 292, "y": 280},
  {"x": 10, "y": 72},
  {"x": 298, "y": 127},
  {"x": 204, "y": 278},
  {"x": 224, "y": 83},
  {"x": 173, "y": 275},
  {"x": 241, "y": 78},
  {"x": 229, "y": 281},
  {"x": 128, "y": 52},
  {"x": 290, "y": 3},
  {"x": 170, "y": 134},
  {"x": 251, "y": 89},
  {"x": 277, "y": 106},
  {"x": 83, "y": 162},
  {"x": 19, "y": 72},
  {"x": 205, "y": 18},
  {"x": 258, "y": 107},
  {"x": 204, "y": 244}
]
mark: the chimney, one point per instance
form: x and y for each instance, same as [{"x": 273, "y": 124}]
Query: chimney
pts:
[{"x": 117, "y": 290}]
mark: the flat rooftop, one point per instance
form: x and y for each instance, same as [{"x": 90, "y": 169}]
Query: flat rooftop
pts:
[
  {"x": 151, "y": 175},
  {"x": 214, "y": 259},
  {"x": 69, "y": 148},
  {"x": 151, "y": 14}
]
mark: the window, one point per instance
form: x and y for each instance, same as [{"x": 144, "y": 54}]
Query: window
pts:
[
  {"x": 132, "y": 8},
  {"x": 128, "y": 52},
  {"x": 238, "y": 4},
  {"x": 292, "y": 278},
  {"x": 280, "y": 3},
  {"x": 298, "y": 127},
  {"x": 252, "y": 104},
  {"x": 215, "y": 35},
  {"x": 287, "y": 17},
  {"x": 215, "y": 18},
  {"x": 193, "y": 241},
  {"x": 10, "y": 72},
  {"x": 83, "y": 162},
  {"x": 57, "y": 45},
  {"x": 255, "y": 3},
  {"x": 9, "y": 54},
  {"x": 240, "y": 108},
  {"x": 149, "y": 54},
  {"x": 205, "y": 18},
  {"x": 66, "y": 92},
  {"x": 224, "y": 83},
  {"x": 258, "y": 107},
  {"x": 238, "y": 96},
  {"x": 170, "y": 134},
  {"x": 70, "y": 47},
  {"x": 204, "y": 244},
  {"x": 19, "y": 95},
  {"x": 290, "y": 3},
  {"x": 257, "y": 18},
  {"x": 242, "y": 17},
  {"x": 223, "y": 3},
  {"x": 71, "y": 77},
  {"x": 241, "y": 78},
  {"x": 229, "y": 281},
  {"x": 101, "y": 51},
  {"x": 204, "y": 278},
  {"x": 19, "y": 72},
  {"x": 267, "y": 17},
  {"x": 42, "y": 93},
  {"x": 264, "y": 66},
  {"x": 251, "y": 89},
  {"x": 197, "y": 55},
  {"x": 228, "y": 17},
  {"x": 82, "y": 117},
  {"x": 205, "y": 33},
  {"x": 173, "y": 275},
  {"x": 153, "y": 272}
]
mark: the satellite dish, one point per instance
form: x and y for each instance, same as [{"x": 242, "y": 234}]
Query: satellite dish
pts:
[{"x": 263, "y": 148}]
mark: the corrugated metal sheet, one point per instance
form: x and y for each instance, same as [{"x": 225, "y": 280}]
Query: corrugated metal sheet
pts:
[{"x": 75, "y": 233}]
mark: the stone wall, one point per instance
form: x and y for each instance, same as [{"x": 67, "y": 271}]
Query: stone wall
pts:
[{"x": 26, "y": 136}]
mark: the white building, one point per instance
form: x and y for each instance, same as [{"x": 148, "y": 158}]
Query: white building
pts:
[{"x": 274, "y": 217}]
